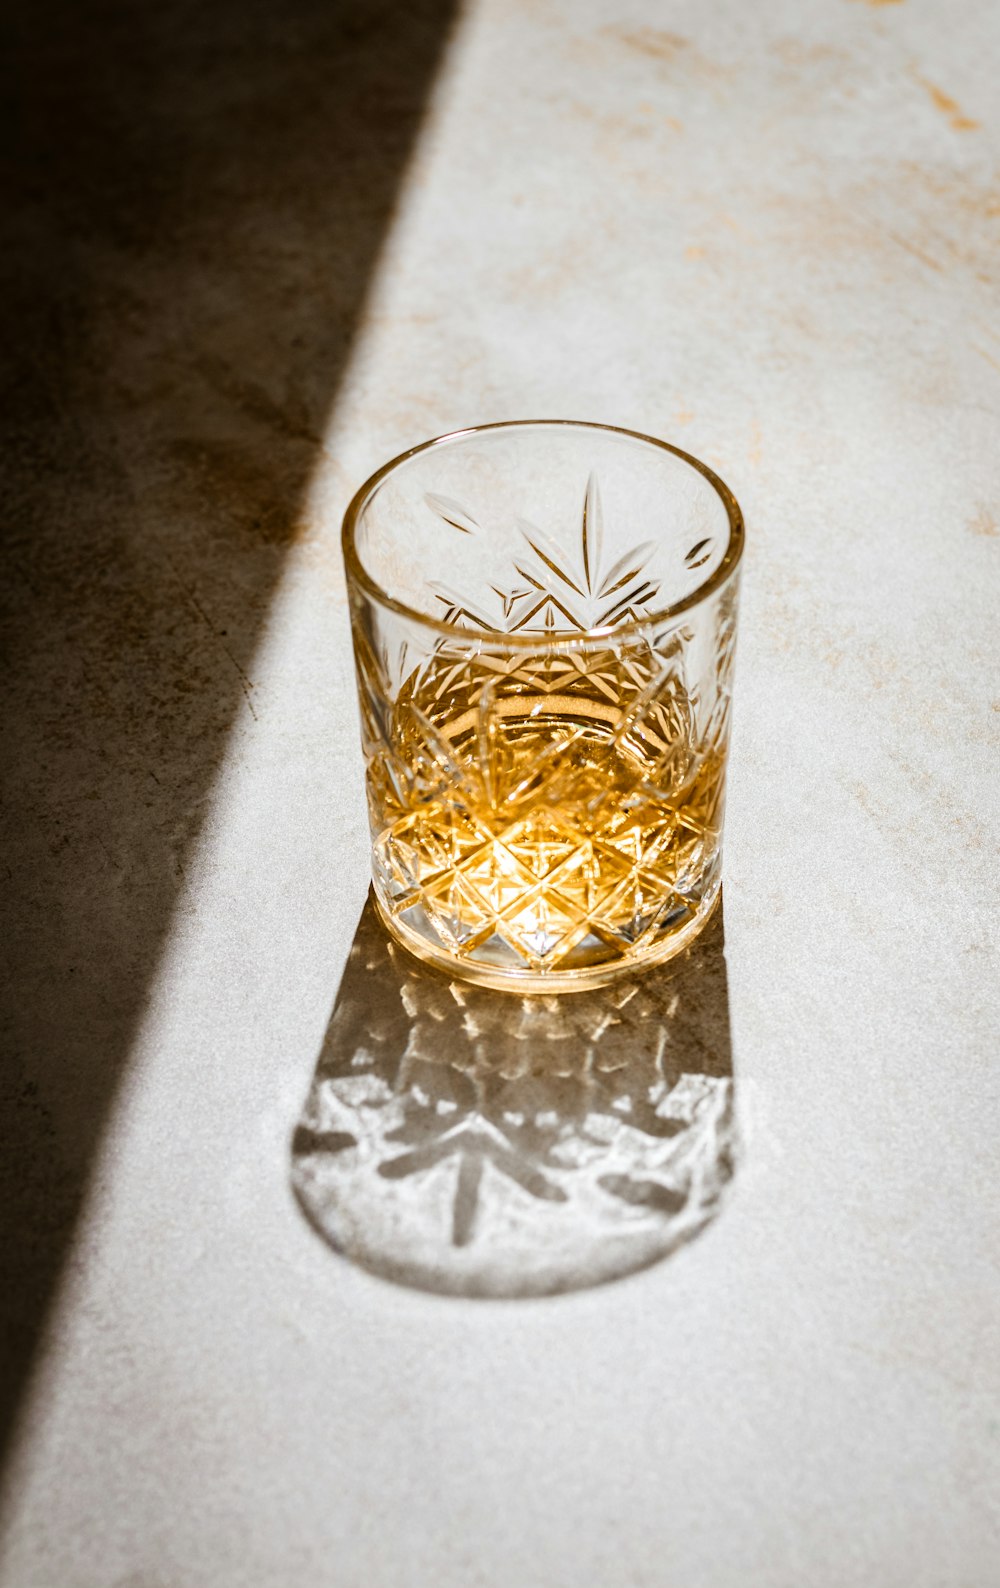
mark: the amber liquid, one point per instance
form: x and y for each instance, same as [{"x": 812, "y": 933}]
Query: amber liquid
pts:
[{"x": 543, "y": 833}]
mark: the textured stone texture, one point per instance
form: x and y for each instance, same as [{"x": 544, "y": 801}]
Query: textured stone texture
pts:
[{"x": 768, "y": 233}]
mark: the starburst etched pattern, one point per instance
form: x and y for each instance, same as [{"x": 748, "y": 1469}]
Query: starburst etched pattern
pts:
[
  {"x": 552, "y": 595},
  {"x": 547, "y": 813}
]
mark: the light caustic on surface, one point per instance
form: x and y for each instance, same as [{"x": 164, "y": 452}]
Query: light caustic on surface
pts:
[{"x": 546, "y": 814}]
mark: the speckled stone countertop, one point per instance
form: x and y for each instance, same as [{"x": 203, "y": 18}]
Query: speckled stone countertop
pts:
[{"x": 252, "y": 253}]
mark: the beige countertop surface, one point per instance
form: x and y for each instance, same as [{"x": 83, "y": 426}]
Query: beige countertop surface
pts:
[{"x": 254, "y": 256}]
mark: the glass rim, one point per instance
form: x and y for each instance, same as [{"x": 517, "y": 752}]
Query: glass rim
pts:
[{"x": 499, "y": 638}]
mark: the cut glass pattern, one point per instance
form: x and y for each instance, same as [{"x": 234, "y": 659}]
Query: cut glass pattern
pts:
[{"x": 553, "y": 808}]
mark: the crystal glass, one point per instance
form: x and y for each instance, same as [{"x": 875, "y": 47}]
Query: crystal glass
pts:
[{"x": 544, "y": 621}]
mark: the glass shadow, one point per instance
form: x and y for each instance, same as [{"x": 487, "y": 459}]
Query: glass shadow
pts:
[{"x": 483, "y": 1144}]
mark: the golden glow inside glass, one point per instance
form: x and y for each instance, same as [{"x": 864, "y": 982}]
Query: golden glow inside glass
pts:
[{"x": 544, "y": 619}]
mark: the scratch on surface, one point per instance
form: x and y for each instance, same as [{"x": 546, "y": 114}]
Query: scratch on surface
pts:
[
  {"x": 918, "y": 253},
  {"x": 947, "y": 106},
  {"x": 987, "y": 356},
  {"x": 246, "y": 684},
  {"x": 112, "y": 862},
  {"x": 251, "y": 399},
  {"x": 903, "y": 1355}
]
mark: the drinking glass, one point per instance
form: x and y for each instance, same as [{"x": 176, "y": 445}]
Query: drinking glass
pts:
[{"x": 544, "y": 618}]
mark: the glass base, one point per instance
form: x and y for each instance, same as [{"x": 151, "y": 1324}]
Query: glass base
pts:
[{"x": 661, "y": 946}]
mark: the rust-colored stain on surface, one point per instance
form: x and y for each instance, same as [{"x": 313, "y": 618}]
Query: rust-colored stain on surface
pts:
[
  {"x": 947, "y": 106},
  {"x": 655, "y": 44},
  {"x": 875, "y": 4},
  {"x": 651, "y": 41},
  {"x": 985, "y": 523}
]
